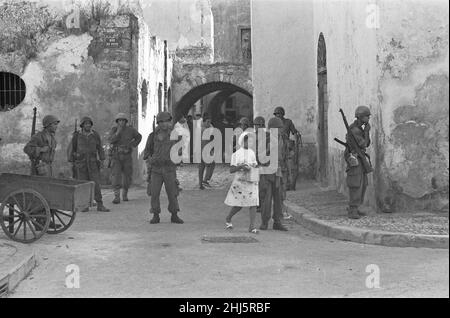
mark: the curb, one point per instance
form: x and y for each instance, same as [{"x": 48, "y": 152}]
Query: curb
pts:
[
  {"x": 11, "y": 280},
  {"x": 364, "y": 236}
]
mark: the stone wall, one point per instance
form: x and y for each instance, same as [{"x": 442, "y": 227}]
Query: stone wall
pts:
[
  {"x": 229, "y": 17},
  {"x": 96, "y": 73},
  {"x": 412, "y": 134},
  {"x": 393, "y": 57}
]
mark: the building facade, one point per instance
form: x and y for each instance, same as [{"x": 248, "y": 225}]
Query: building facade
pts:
[{"x": 316, "y": 57}]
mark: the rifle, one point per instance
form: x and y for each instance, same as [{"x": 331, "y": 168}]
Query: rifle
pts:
[
  {"x": 154, "y": 123},
  {"x": 353, "y": 147},
  {"x": 74, "y": 150},
  {"x": 34, "y": 162}
]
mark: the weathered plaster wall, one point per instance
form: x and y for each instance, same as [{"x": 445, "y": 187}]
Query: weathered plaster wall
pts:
[
  {"x": 72, "y": 76},
  {"x": 182, "y": 23},
  {"x": 284, "y": 59},
  {"x": 413, "y": 60},
  {"x": 352, "y": 74},
  {"x": 229, "y": 15}
]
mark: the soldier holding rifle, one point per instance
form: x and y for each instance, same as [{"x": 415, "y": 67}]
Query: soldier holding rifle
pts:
[{"x": 358, "y": 161}]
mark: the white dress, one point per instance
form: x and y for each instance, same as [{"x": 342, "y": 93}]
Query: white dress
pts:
[{"x": 243, "y": 192}]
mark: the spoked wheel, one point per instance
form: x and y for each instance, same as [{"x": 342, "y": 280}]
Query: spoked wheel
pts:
[
  {"x": 25, "y": 215},
  {"x": 60, "y": 221}
]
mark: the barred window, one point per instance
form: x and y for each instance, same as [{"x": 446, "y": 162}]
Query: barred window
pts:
[{"x": 12, "y": 91}]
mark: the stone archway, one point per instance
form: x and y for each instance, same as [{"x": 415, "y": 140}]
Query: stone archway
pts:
[
  {"x": 322, "y": 129},
  {"x": 189, "y": 99},
  {"x": 192, "y": 81}
]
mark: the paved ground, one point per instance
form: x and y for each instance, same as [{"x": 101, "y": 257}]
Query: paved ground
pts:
[
  {"x": 331, "y": 206},
  {"x": 121, "y": 255}
]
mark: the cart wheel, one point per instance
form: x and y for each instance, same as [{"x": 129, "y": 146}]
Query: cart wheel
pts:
[
  {"x": 25, "y": 215},
  {"x": 60, "y": 221}
]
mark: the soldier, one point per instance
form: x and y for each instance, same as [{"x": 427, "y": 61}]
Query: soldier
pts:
[
  {"x": 163, "y": 169},
  {"x": 272, "y": 182},
  {"x": 203, "y": 178},
  {"x": 87, "y": 156},
  {"x": 123, "y": 139},
  {"x": 356, "y": 176},
  {"x": 41, "y": 148},
  {"x": 259, "y": 123},
  {"x": 286, "y": 131}
]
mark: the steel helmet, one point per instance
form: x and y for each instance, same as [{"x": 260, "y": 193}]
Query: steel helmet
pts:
[
  {"x": 279, "y": 110},
  {"x": 163, "y": 116},
  {"x": 244, "y": 121},
  {"x": 48, "y": 120},
  {"x": 362, "y": 111},
  {"x": 259, "y": 121},
  {"x": 275, "y": 122},
  {"x": 85, "y": 119},
  {"x": 121, "y": 116}
]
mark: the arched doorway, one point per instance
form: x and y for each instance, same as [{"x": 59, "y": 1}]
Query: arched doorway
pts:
[
  {"x": 322, "y": 110},
  {"x": 224, "y": 102}
]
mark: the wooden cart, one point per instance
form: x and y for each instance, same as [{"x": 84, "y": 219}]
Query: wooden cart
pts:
[{"x": 32, "y": 206}]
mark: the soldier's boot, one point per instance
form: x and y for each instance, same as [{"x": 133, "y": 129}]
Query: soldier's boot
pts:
[
  {"x": 85, "y": 210},
  {"x": 279, "y": 227},
  {"x": 125, "y": 195},
  {"x": 116, "y": 197},
  {"x": 175, "y": 219},
  {"x": 155, "y": 219},
  {"x": 102, "y": 208},
  {"x": 360, "y": 213},
  {"x": 353, "y": 213},
  {"x": 264, "y": 226}
]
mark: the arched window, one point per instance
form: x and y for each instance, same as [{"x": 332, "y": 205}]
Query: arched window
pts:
[{"x": 12, "y": 91}]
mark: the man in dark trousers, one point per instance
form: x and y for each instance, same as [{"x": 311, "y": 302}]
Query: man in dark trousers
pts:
[
  {"x": 357, "y": 180},
  {"x": 163, "y": 169},
  {"x": 41, "y": 150},
  {"x": 286, "y": 131},
  {"x": 272, "y": 181},
  {"x": 87, "y": 155},
  {"x": 203, "y": 179},
  {"x": 123, "y": 139}
]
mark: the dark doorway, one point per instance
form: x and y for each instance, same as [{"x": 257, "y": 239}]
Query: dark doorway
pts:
[{"x": 322, "y": 110}]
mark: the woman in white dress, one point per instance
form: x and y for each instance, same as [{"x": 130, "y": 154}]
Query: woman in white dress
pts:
[{"x": 244, "y": 190}]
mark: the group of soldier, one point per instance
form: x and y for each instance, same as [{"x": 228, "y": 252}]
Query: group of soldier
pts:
[{"x": 87, "y": 155}]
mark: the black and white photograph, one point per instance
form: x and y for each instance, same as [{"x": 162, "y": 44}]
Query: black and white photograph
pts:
[{"x": 224, "y": 154}]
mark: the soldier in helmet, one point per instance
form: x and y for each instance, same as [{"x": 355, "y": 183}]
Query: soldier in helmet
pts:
[
  {"x": 286, "y": 131},
  {"x": 123, "y": 139},
  {"x": 87, "y": 155},
  {"x": 356, "y": 176},
  {"x": 41, "y": 148},
  {"x": 272, "y": 181},
  {"x": 204, "y": 178},
  {"x": 163, "y": 169}
]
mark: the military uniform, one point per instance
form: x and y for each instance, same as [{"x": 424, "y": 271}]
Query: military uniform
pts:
[
  {"x": 357, "y": 179},
  {"x": 122, "y": 144},
  {"x": 86, "y": 154},
  {"x": 163, "y": 171},
  {"x": 203, "y": 178},
  {"x": 42, "y": 147},
  {"x": 41, "y": 150},
  {"x": 286, "y": 131},
  {"x": 272, "y": 182}
]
